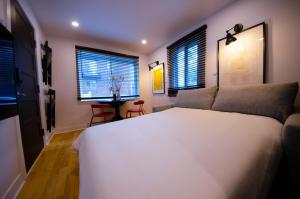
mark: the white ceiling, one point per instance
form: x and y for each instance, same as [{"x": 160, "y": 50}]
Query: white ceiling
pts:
[{"x": 123, "y": 23}]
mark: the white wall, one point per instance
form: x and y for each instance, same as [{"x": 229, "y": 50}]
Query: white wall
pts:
[
  {"x": 282, "y": 18},
  {"x": 70, "y": 113},
  {"x": 5, "y": 12},
  {"x": 2, "y": 12},
  {"x": 12, "y": 167}
]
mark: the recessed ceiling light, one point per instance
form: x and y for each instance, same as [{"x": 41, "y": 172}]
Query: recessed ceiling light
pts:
[
  {"x": 75, "y": 24},
  {"x": 144, "y": 41}
]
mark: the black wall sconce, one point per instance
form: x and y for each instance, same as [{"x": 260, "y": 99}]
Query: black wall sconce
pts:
[
  {"x": 229, "y": 37},
  {"x": 153, "y": 65}
]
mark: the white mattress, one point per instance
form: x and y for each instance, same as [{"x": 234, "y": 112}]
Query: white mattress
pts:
[{"x": 180, "y": 154}]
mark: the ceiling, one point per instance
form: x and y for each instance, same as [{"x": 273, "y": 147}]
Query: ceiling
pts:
[{"x": 123, "y": 23}]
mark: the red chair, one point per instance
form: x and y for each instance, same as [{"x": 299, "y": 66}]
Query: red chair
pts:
[
  {"x": 138, "y": 110},
  {"x": 101, "y": 112}
]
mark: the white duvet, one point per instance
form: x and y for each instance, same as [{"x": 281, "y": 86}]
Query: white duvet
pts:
[{"x": 180, "y": 154}]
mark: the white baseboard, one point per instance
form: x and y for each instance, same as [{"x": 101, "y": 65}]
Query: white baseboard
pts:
[
  {"x": 19, "y": 189},
  {"x": 14, "y": 188}
]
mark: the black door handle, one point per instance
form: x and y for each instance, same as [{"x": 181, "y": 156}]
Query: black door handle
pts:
[{"x": 18, "y": 80}]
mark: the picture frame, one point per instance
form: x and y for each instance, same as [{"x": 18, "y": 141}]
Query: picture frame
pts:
[
  {"x": 158, "y": 79},
  {"x": 46, "y": 58},
  {"x": 243, "y": 62}
]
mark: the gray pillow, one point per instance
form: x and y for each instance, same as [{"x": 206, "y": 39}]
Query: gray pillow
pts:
[
  {"x": 196, "y": 98},
  {"x": 271, "y": 100}
]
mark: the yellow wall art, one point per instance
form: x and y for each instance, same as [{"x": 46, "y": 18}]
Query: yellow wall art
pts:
[{"x": 158, "y": 80}]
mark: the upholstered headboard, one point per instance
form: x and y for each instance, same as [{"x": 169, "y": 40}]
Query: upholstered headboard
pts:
[{"x": 271, "y": 100}]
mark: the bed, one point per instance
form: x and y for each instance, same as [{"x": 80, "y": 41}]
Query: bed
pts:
[{"x": 180, "y": 153}]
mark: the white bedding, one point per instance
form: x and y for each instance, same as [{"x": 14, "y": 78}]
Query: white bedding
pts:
[{"x": 180, "y": 154}]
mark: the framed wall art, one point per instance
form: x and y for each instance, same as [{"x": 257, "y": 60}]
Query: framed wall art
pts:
[
  {"x": 158, "y": 79},
  {"x": 242, "y": 60}
]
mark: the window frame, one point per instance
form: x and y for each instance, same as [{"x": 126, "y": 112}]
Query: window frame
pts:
[
  {"x": 109, "y": 53},
  {"x": 195, "y": 38}
]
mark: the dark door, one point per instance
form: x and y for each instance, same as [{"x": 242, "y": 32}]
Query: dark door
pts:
[{"x": 27, "y": 85}]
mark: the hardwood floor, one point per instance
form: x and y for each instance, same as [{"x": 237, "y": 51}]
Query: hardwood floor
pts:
[{"x": 56, "y": 173}]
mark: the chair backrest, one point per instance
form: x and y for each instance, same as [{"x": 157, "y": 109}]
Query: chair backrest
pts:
[
  {"x": 100, "y": 106},
  {"x": 139, "y": 103}
]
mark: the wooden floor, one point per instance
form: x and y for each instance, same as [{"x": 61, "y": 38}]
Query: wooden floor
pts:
[{"x": 56, "y": 173}]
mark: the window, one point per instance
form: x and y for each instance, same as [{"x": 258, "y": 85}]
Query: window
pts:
[
  {"x": 8, "y": 101},
  {"x": 95, "y": 69},
  {"x": 186, "y": 61}
]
